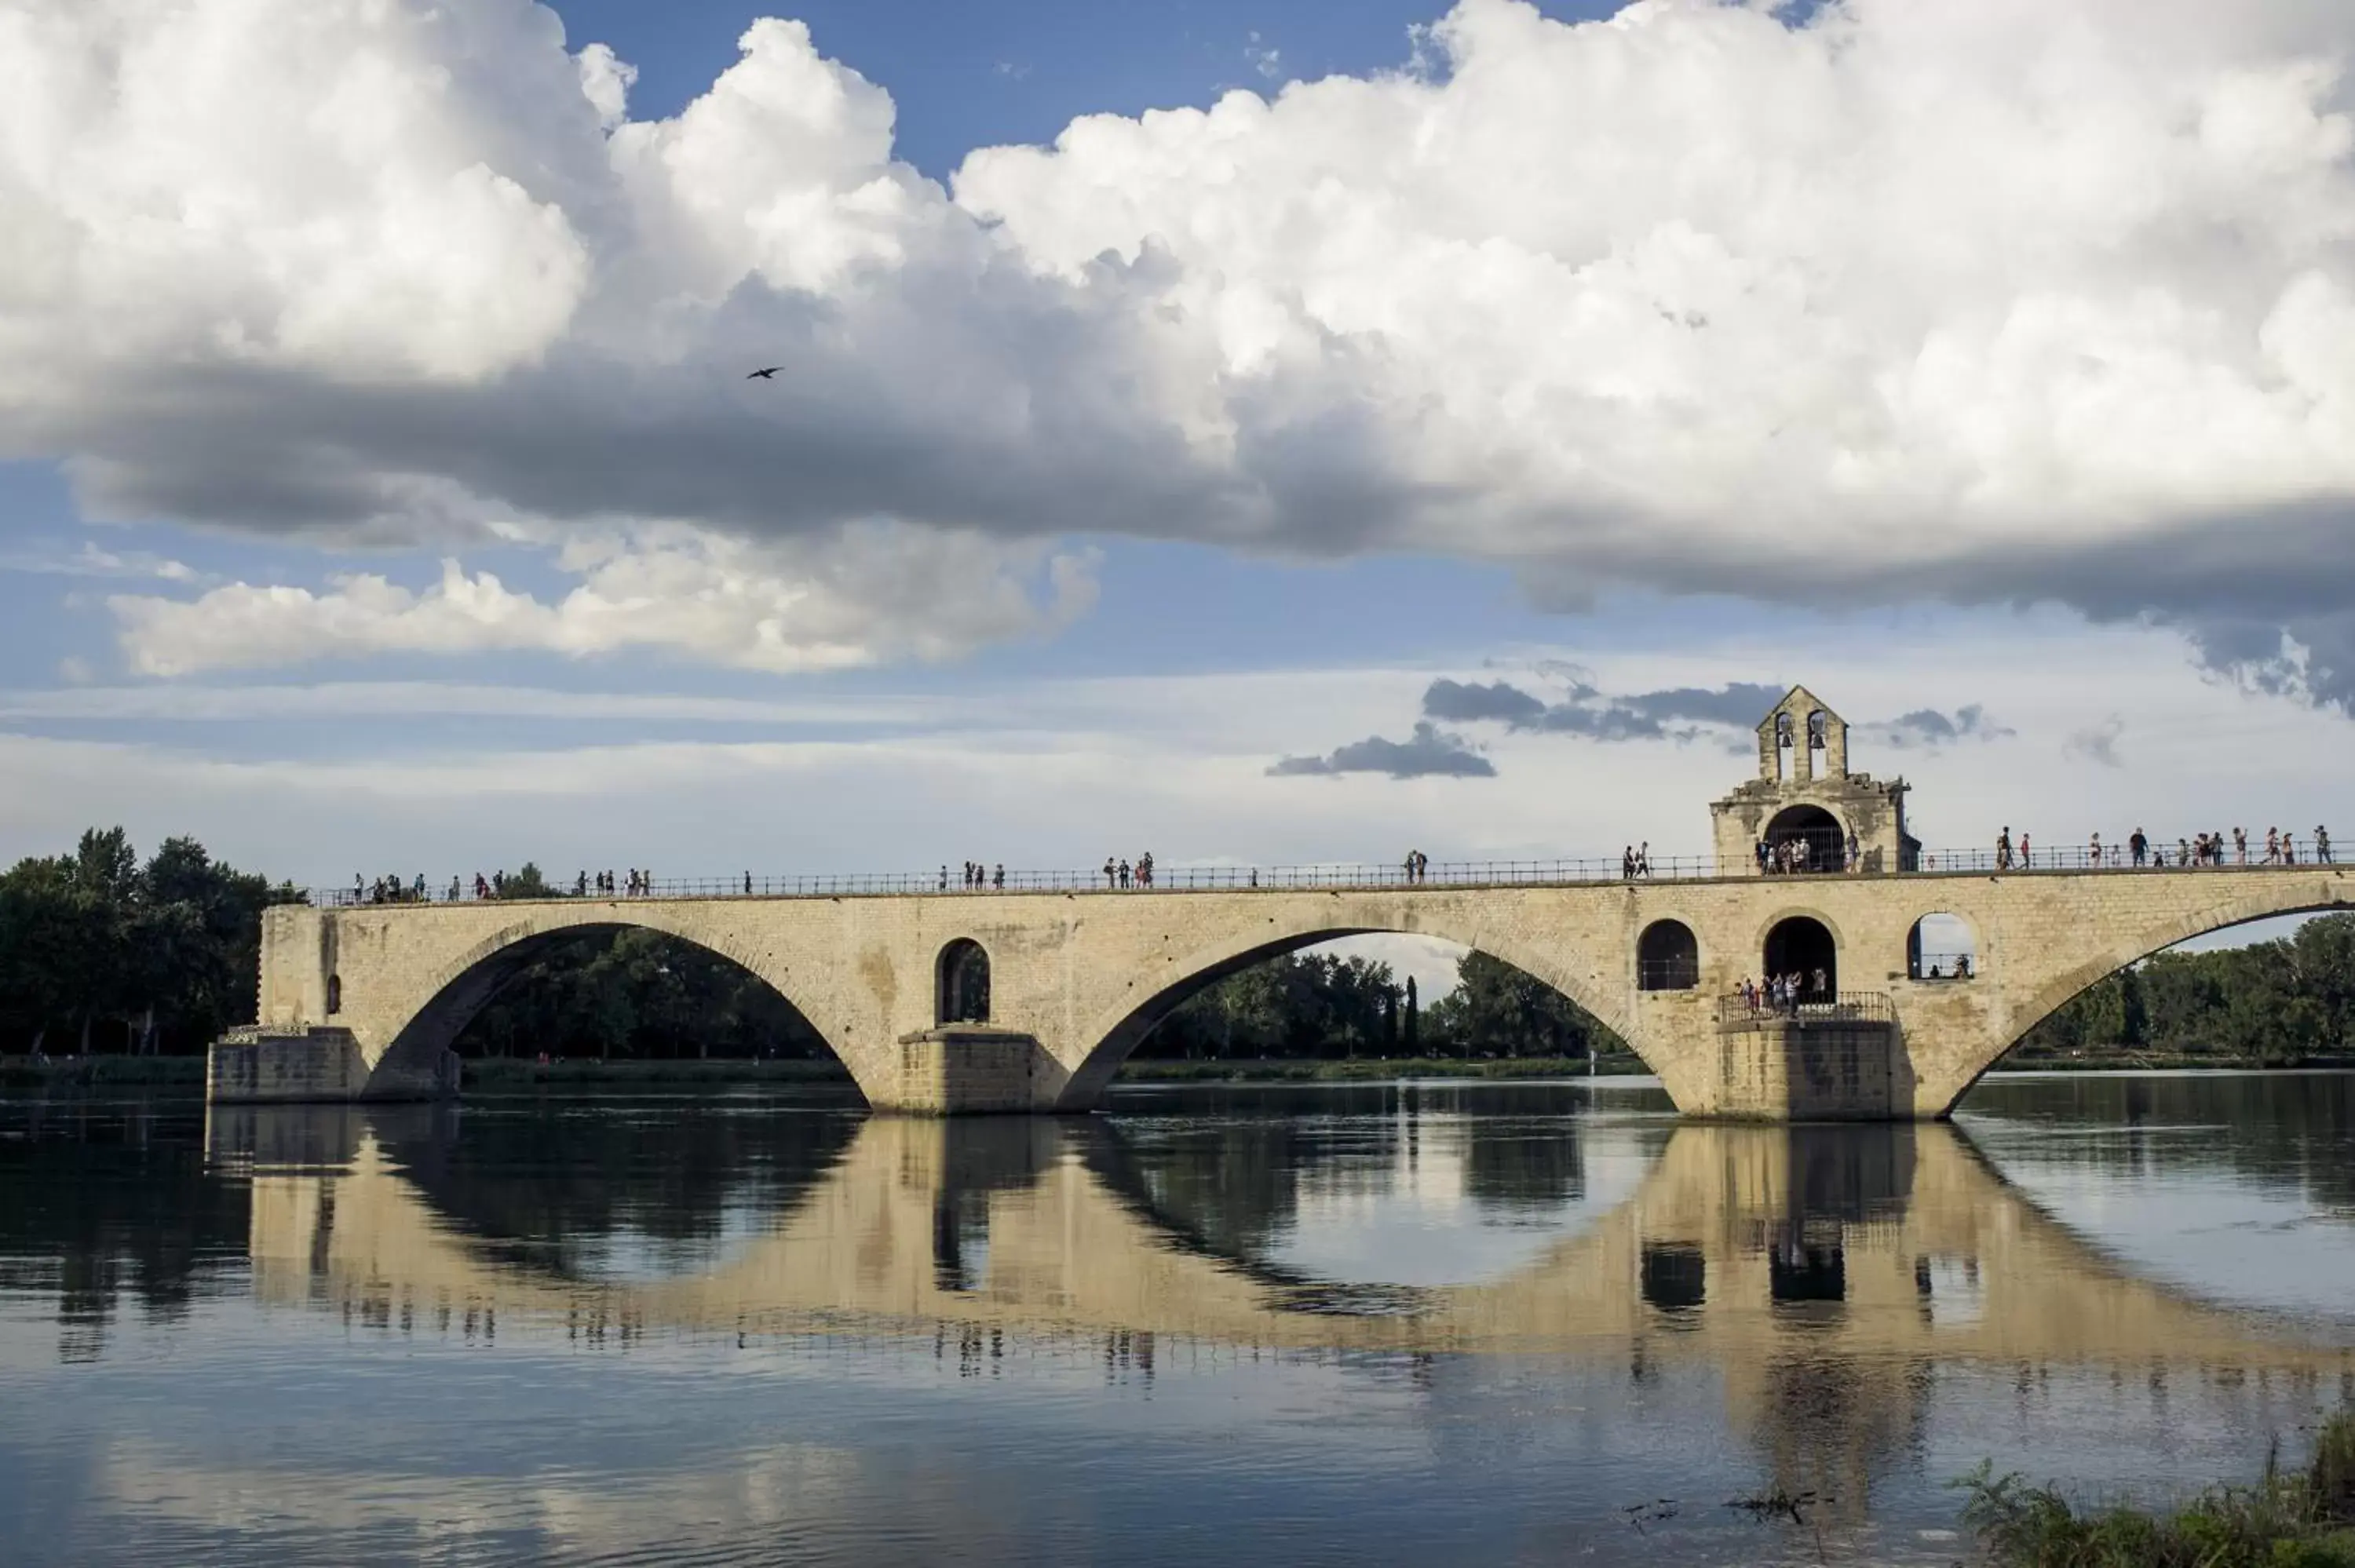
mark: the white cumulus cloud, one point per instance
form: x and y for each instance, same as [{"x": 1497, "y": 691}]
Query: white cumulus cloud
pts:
[
  {"x": 1981, "y": 300},
  {"x": 779, "y": 608}
]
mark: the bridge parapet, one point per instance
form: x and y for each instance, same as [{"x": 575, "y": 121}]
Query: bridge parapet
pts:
[{"x": 1739, "y": 1011}]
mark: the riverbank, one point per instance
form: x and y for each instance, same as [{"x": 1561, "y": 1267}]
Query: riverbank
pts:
[
  {"x": 2302, "y": 1519},
  {"x": 2168, "y": 1061},
  {"x": 64, "y": 1072},
  {"x": 1369, "y": 1069},
  {"x": 500, "y": 1075},
  {"x": 492, "y": 1074}
]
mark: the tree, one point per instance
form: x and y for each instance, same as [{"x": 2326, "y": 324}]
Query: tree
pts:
[{"x": 1502, "y": 1011}]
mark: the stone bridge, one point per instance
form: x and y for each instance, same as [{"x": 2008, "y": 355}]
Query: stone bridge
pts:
[{"x": 1029, "y": 1000}]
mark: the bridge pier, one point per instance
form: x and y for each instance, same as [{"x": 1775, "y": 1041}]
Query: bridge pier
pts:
[
  {"x": 971, "y": 1069},
  {"x": 1777, "y": 1069},
  {"x": 308, "y": 1064}
]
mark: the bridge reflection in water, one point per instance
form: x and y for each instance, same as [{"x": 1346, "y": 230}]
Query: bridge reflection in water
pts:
[{"x": 1819, "y": 1272}]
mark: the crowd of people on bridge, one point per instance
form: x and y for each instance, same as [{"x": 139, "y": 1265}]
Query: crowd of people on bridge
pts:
[
  {"x": 1786, "y": 993},
  {"x": 1635, "y": 860},
  {"x": 2139, "y": 850},
  {"x": 1123, "y": 873},
  {"x": 1418, "y": 866},
  {"x": 1796, "y": 856},
  {"x": 977, "y": 876},
  {"x": 388, "y": 890}
]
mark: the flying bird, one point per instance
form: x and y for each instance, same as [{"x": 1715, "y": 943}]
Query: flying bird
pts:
[{"x": 764, "y": 375}]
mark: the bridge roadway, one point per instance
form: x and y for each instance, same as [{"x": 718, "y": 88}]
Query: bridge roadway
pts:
[
  {"x": 1896, "y": 1247},
  {"x": 363, "y": 1003}
]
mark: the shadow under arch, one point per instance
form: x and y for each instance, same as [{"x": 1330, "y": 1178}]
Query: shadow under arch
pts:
[
  {"x": 1155, "y": 995},
  {"x": 2334, "y": 897},
  {"x": 458, "y": 994}
]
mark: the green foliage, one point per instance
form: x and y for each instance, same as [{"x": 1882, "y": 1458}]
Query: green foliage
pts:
[
  {"x": 1497, "y": 1009},
  {"x": 2283, "y": 1521},
  {"x": 1317, "y": 1007},
  {"x": 2278, "y": 1002},
  {"x": 637, "y": 995},
  {"x": 98, "y": 951}
]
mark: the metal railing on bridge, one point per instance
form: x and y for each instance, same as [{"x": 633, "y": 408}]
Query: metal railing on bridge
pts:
[
  {"x": 1737, "y": 1011},
  {"x": 946, "y": 881}
]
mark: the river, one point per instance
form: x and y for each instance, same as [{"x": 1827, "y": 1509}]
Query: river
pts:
[{"x": 1349, "y": 1324}]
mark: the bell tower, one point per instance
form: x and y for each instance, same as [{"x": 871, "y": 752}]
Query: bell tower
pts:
[{"x": 1806, "y": 807}]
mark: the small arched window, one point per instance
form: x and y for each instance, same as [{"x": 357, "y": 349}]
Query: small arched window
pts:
[
  {"x": 1818, "y": 727},
  {"x": 964, "y": 983},
  {"x": 335, "y": 994},
  {"x": 1666, "y": 956},
  {"x": 1941, "y": 946},
  {"x": 1782, "y": 729}
]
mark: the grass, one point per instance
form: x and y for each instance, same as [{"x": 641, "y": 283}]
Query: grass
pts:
[{"x": 2302, "y": 1519}]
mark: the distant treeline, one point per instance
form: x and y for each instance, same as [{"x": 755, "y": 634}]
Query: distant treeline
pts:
[
  {"x": 101, "y": 952},
  {"x": 1319, "y": 1006},
  {"x": 2277, "y": 1001}
]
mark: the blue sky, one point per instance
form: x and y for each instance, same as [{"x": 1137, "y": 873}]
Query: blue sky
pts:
[
  {"x": 979, "y": 76},
  {"x": 1619, "y": 364}
]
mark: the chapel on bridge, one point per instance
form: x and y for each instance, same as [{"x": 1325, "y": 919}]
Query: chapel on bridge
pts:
[{"x": 1804, "y": 793}]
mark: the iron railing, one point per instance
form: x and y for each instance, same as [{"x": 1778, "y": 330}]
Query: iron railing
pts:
[
  {"x": 947, "y": 882},
  {"x": 1739, "y": 1011}
]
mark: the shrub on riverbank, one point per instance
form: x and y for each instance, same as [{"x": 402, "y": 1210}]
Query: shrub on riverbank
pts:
[{"x": 2302, "y": 1519}]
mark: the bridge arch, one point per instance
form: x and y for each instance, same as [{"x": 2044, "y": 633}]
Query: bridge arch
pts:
[
  {"x": 1816, "y": 827},
  {"x": 961, "y": 983},
  {"x": 2325, "y": 894},
  {"x": 438, "y": 1012},
  {"x": 1800, "y": 942},
  {"x": 1147, "y": 998},
  {"x": 1667, "y": 956},
  {"x": 1943, "y": 946}
]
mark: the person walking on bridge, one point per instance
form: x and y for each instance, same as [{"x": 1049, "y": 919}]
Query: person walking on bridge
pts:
[
  {"x": 2321, "y": 845},
  {"x": 2139, "y": 847},
  {"x": 2003, "y": 849}
]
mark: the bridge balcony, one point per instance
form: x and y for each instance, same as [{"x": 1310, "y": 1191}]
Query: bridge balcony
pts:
[{"x": 1736, "y": 1015}]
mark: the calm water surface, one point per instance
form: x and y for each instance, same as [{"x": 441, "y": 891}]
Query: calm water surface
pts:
[{"x": 1362, "y": 1324}]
